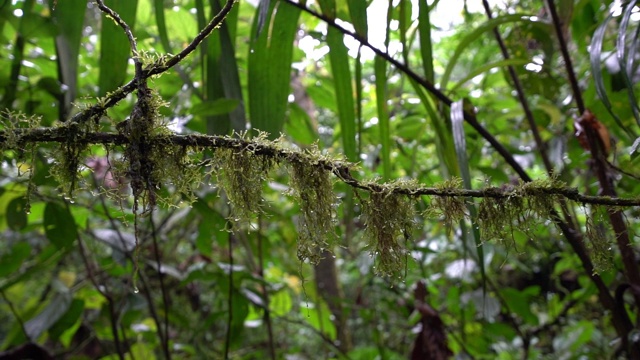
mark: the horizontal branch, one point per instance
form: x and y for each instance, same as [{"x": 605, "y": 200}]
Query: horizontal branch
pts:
[{"x": 340, "y": 168}]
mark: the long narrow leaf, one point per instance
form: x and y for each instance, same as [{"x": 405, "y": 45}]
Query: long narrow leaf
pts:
[
  {"x": 339, "y": 58},
  {"x": 459, "y": 140},
  {"x": 383, "y": 116},
  {"x": 269, "y": 68},
  {"x": 18, "y": 54},
  {"x": 69, "y": 16},
  {"x": 358, "y": 13},
  {"x": 443, "y": 141},
  {"x": 626, "y": 58},
  {"x": 162, "y": 25},
  {"x": 114, "y": 46},
  {"x": 228, "y": 68},
  {"x": 426, "y": 46},
  {"x": 595, "y": 54}
]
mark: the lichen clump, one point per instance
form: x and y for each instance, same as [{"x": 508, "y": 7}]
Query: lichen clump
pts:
[
  {"x": 389, "y": 223},
  {"x": 311, "y": 185}
]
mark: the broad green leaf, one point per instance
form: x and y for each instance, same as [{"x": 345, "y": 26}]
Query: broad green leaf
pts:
[
  {"x": 269, "y": 68},
  {"x": 47, "y": 257},
  {"x": 460, "y": 143},
  {"x": 320, "y": 318},
  {"x": 300, "y": 126},
  {"x": 383, "y": 116},
  {"x": 141, "y": 350},
  {"x": 280, "y": 303},
  {"x": 16, "y": 214},
  {"x": 49, "y": 315},
  {"x": 11, "y": 261},
  {"x": 71, "y": 319},
  {"x": 339, "y": 58},
  {"x": 59, "y": 225},
  {"x": 115, "y": 50}
]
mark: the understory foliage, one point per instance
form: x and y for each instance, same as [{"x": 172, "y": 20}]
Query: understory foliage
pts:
[{"x": 143, "y": 220}]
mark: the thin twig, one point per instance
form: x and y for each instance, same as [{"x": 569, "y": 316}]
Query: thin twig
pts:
[
  {"x": 265, "y": 291},
  {"x": 227, "y": 341},
  {"x": 16, "y": 315},
  {"x": 104, "y": 291},
  {"x": 163, "y": 290}
]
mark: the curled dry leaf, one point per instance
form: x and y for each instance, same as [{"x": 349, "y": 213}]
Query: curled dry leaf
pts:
[{"x": 589, "y": 121}]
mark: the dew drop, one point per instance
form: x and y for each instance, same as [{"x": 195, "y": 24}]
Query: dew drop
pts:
[{"x": 136, "y": 290}]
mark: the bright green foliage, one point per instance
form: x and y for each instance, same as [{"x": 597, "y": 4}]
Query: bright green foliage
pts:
[{"x": 138, "y": 252}]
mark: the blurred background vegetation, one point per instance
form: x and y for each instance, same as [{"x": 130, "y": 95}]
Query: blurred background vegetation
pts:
[{"x": 209, "y": 288}]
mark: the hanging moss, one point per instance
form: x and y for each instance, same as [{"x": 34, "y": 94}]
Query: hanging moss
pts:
[
  {"x": 597, "y": 242},
  {"x": 451, "y": 209},
  {"x": 177, "y": 168},
  {"x": 539, "y": 198},
  {"x": 497, "y": 216},
  {"x": 311, "y": 185},
  {"x": 241, "y": 174},
  {"x": 389, "y": 221}
]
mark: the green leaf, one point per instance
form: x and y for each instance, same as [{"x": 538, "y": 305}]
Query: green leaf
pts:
[
  {"x": 358, "y": 13},
  {"x": 626, "y": 57},
  {"x": 114, "y": 46},
  {"x": 300, "y": 126},
  {"x": 426, "y": 46},
  {"x": 216, "y": 107},
  {"x": 339, "y": 58},
  {"x": 49, "y": 315},
  {"x": 161, "y": 23},
  {"x": 16, "y": 214},
  {"x": 460, "y": 143},
  {"x": 71, "y": 319},
  {"x": 595, "y": 53},
  {"x": 319, "y": 317},
  {"x": 328, "y": 8},
  {"x": 383, "y": 116},
  {"x": 59, "y": 225},
  {"x": 280, "y": 303},
  {"x": 69, "y": 17},
  {"x": 269, "y": 68},
  {"x": 11, "y": 261}
]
